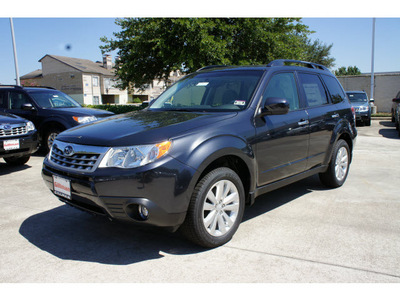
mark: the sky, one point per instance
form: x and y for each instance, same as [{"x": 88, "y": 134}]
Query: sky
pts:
[{"x": 36, "y": 34}]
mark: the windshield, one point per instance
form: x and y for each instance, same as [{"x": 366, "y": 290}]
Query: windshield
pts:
[
  {"x": 53, "y": 99},
  {"x": 215, "y": 91},
  {"x": 357, "y": 97}
]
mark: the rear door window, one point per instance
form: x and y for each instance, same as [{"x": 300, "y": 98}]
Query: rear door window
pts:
[{"x": 313, "y": 89}]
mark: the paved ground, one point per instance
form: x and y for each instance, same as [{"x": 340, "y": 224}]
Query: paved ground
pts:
[{"x": 301, "y": 233}]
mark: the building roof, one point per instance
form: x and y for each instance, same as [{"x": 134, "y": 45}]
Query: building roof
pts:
[
  {"x": 83, "y": 65},
  {"x": 35, "y": 74}
]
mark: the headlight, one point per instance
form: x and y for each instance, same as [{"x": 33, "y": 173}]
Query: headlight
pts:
[
  {"x": 363, "y": 108},
  {"x": 134, "y": 156},
  {"x": 84, "y": 119},
  {"x": 30, "y": 126}
]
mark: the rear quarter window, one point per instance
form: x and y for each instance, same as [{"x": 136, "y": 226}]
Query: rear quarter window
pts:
[{"x": 334, "y": 88}]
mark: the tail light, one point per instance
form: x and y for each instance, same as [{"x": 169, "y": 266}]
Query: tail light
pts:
[{"x": 353, "y": 111}]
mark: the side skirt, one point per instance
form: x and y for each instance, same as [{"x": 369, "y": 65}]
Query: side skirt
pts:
[{"x": 283, "y": 182}]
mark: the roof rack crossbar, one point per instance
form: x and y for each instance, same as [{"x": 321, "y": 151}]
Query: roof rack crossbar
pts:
[
  {"x": 284, "y": 62},
  {"x": 211, "y": 67}
]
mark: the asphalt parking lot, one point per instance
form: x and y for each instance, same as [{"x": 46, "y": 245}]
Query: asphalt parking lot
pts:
[{"x": 300, "y": 233}]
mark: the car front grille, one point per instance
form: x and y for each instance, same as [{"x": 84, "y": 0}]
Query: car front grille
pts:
[
  {"x": 76, "y": 157},
  {"x": 13, "y": 130}
]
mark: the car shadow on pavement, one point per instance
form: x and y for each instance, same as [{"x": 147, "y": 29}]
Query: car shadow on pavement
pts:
[
  {"x": 279, "y": 197},
  {"x": 7, "y": 169},
  {"x": 70, "y": 234},
  {"x": 386, "y": 123},
  {"x": 389, "y": 133}
]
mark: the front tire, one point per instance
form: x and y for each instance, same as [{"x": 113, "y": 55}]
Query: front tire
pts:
[
  {"x": 51, "y": 135},
  {"x": 339, "y": 165},
  {"x": 17, "y": 161},
  {"x": 216, "y": 209}
]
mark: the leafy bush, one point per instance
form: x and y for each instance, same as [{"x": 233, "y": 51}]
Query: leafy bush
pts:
[{"x": 117, "y": 109}]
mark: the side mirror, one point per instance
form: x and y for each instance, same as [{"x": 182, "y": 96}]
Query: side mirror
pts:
[
  {"x": 28, "y": 106},
  {"x": 275, "y": 106}
]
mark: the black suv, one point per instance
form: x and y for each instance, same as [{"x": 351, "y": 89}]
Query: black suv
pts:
[
  {"x": 50, "y": 110},
  {"x": 207, "y": 146},
  {"x": 18, "y": 139}
]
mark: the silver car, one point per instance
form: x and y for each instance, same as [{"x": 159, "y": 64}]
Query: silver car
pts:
[{"x": 360, "y": 102}]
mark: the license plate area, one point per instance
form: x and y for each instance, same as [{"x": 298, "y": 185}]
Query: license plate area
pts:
[
  {"x": 62, "y": 187},
  {"x": 11, "y": 144}
]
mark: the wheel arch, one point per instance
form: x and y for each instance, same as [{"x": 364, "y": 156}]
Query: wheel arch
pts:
[
  {"x": 51, "y": 124},
  {"x": 224, "y": 151}
]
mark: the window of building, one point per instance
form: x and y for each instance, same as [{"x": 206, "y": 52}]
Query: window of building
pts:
[{"x": 95, "y": 81}]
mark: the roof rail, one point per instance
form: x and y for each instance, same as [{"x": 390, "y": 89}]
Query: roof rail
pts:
[
  {"x": 10, "y": 85},
  {"x": 43, "y": 87},
  {"x": 211, "y": 67},
  {"x": 284, "y": 62}
]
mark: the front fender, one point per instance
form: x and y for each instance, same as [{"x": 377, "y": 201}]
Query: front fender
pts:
[{"x": 201, "y": 155}]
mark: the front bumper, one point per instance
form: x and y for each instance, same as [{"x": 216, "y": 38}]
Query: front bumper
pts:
[
  {"x": 117, "y": 193},
  {"x": 363, "y": 116},
  {"x": 28, "y": 144}
]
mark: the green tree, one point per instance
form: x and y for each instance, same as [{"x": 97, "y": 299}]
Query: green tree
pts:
[
  {"x": 343, "y": 71},
  {"x": 318, "y": 52},
  {"x": 150, "y": 48}
]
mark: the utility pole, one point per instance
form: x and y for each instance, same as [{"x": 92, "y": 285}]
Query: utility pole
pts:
[
  {"x": 15, "y": 52},
  {"x": 372, "y": 60}
]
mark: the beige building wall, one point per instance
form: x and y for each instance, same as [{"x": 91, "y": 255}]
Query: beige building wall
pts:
[
  {"x": 386, "y": 87},
  {"x": 91, "y": 89},
  {"x": 108, "y": 88}
]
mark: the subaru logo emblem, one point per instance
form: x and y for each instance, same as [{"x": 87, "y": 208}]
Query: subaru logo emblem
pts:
[
  {"x": 7, "y": 127},
  {"x": 68, "y": 150}
]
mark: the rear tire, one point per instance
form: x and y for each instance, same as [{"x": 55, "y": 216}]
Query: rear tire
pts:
[
  {"x": 215, "y": 210},
  {"x": 17, "y": 161},
  {"x": 339, "y": 165}
]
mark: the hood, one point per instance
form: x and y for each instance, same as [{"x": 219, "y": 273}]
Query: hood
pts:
[
  {"x": 138, "y": 128},
  {"x": 80, "y": 111},
  {"x": 6, "y": 118}
]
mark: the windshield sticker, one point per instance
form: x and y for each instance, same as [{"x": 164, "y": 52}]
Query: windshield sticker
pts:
[
  {"x": 202, "y": 84},
  {"x": 240, "y": 102}
]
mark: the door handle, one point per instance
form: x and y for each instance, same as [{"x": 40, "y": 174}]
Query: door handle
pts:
[
  {"x": 303, "y": 122},
  {"x": 335, "y": 116}
]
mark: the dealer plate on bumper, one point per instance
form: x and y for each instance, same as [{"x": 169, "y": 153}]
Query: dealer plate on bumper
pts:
[
  {"x": 11, "y": 144},
  {"x": 62, "y": 187}
]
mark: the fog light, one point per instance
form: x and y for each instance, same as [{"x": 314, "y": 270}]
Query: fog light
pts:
[{"x": 143, "y": 212}]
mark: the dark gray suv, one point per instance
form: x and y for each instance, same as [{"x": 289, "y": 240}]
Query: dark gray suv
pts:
[{"x": 206, "y": 147}]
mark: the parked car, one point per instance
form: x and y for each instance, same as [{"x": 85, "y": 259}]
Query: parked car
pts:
[
  {"x": 50, "y": 110},
  {"x": 207, "y": 146},
  {"x": 396, "y": 102},
  {"x": 18, "y": 139},
  {"x": 397, "y": 118},
  {"x": 360, "y": 102}
]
